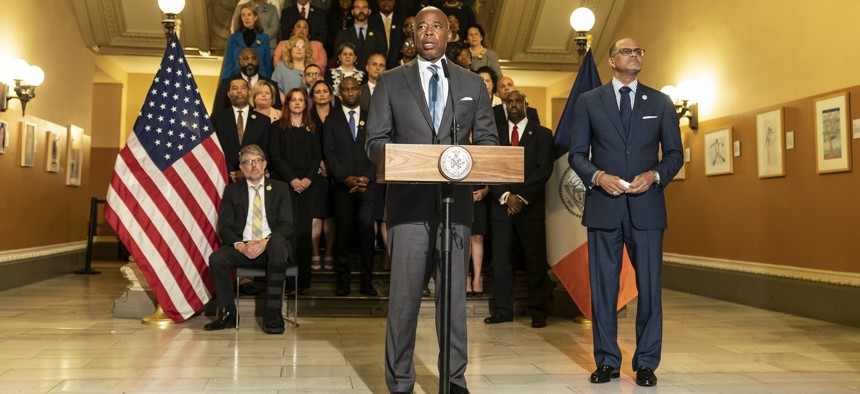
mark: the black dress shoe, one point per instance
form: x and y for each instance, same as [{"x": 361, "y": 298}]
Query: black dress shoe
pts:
[
  {"x": 274, "y": 326},
  {"x": 645, "y": 377},
  {"x": 368, "y": 290},
  {"x": 497, "y": 318},
  {"x": 342, "y": 291},
  {"x": 477, "y": 294},
  {"x": 605, "y": 373},
  {"x": 248, "y": 288},
  {"x": 538, "y": 322},
  {"x": 227, "y": 320},
  {"x": 454, "y": 389}
]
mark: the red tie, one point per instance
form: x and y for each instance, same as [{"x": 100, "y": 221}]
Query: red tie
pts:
[
  {"x": 515, "y": 136},
  {"x": 303, "y": 12}
]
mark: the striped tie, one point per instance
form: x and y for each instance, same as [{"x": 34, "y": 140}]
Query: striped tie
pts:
[{"x": 257, "y": 221}]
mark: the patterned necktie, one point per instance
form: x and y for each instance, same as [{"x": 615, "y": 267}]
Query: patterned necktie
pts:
[
  {"x": 626, "y": 109},
  {"x": 352, "y": 124},
  {"x": 240, "y": 126},
  {"x": 433, "y": 95},
  {"x": 515, "y": 136},
  {"x": 257, "y": 218},
  {"x": 360, "y": 38},
  {"x": 387, "y": 22},
  {"x": 249, "y": 83},
  {"x": 304, "y": 16}
]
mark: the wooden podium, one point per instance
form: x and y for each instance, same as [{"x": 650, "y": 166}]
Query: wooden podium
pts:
[{"x": 490, "y": 165}]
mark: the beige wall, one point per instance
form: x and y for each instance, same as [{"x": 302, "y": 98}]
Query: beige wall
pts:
[
  {"x": 752, "y": 55},
  {"x": 38, "y": 209}
]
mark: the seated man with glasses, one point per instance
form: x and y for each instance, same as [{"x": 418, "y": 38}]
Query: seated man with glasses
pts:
[
  {"x": 255, "y": 223},
  {"x": 312, "y": 74}
]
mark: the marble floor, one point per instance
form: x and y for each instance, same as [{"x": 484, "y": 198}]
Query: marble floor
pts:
[{"x": 59, "y": 335}]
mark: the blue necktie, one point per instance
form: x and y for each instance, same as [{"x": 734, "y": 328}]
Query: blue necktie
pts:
[
  {"x": 352, "y": 124},
  {"x": 433, "y": 94},
  {"x": 626, "y": 108}
]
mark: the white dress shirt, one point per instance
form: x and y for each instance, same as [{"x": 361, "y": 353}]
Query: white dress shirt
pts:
[{"x": 426, "y": 74}]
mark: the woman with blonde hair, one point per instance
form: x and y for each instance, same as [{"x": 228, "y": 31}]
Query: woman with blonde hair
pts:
[
  {"x": 262, "y": 99},
  {"x": 288, "y": 72},
  {"x": 317, "y": 54}
]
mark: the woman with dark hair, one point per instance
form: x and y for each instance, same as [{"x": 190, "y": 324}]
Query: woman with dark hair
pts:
[
  {"x": 459, "y": 54},
  {"x": 454, "y": 26},
  {"x": 323, "y": 223},
  {"x": 249, "y": 35},
  {"x": 490, "y": 79},
  {"x": 346, "y": 57},
  {"x": 339, "y": 18},
  {"x": 481, "y": 56},
  {"x": 465, "y": 15},
  {"x": 317, "y": 52},
  {"x": 480, "y": 224},
  {"x": 295, "y": 154}
]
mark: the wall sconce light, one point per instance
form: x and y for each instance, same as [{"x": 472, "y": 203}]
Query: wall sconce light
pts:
[
  {"x": 685, "y": 104},
  {"x": 25, "y": 78},
  {"x": 170, "y": 8},
  {"x": 581, "y": 20}
]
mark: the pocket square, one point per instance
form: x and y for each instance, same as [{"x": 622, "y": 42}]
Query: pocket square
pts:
[
  {"x": 650, "y": 117},
  {"x": 467, "y": 98}
]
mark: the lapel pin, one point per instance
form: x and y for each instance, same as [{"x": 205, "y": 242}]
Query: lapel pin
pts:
[
  {"x": 644, "y": 97},
  {"x": 258, "y": 42},
  {"x": 370, "y": 34},
  {"x": 269, "y": 187},
  {"x": 361, "y": 123},
  {"x": 393, "y": 27},
  {"x": 253, "y": 116}
]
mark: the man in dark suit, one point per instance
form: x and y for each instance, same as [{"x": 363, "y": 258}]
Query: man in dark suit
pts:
[
  {"x": 618, "y": 129},
  {"x": 355, "y": 193},
  {"x": 239, "y": 126},
  {"x": 303, "y": 9},
  {"x": 504, "y": 86},
  {"x": 255, "y": 223},
  {"x": 366, "y": 40},
  {"x": 416, "y": 103},
  {"x": 375, "y": 67},
  {"x": 249, "y": 66},
  {"x": 517, "y": 216},
  {"x": 390, "y": 23}
]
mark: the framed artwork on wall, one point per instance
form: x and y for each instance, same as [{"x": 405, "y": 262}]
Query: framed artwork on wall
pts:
[
  {"x": 4, "y": 138},
  {"x": 52, "y": 163},
  {"x": 28, "y": 144},
  {"x": 718, "y": 152},
  {"x": 832, "y": 141},
  {"x": 74, "y": 155},
  {"x": 770, "y": 144}
]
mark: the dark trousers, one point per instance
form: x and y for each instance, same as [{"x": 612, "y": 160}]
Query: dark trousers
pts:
[
  {"x": 274, "y": 260},
  {"x": 605, "y": 255},
  {"x": 349, "y": 208},
  {"x": 530, "y": 235},
  {"x": 303, "y": 216}
]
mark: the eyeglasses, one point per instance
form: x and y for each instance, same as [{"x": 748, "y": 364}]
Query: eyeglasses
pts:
[
  {"x": 409, "y": 44},
  {"x": 312, "y": 74},
  {"x": 252, "y": 161},
  {"x": 628, "y": 51},
  {"x": 410, "y": 25},
  {"x": 299, "y": 46}
]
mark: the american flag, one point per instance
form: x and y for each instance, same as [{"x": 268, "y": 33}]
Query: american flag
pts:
[{"x": 166, "y": 188}]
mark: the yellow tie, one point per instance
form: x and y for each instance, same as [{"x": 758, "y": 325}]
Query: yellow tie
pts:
[
  {"x": 257, "y": 220},
  {"x": 387, "y": 31}
]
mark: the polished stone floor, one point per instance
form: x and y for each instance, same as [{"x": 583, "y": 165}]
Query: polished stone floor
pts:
[{"x": 59, "y": 336}]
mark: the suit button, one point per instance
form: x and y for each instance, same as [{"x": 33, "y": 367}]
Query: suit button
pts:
[{"x": 628, "y": 153}]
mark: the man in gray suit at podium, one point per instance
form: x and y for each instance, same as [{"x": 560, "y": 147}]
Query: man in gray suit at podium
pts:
[{"x": 414, "y": 104}]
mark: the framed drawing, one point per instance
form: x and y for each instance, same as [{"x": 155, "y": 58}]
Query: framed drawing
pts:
[
  {"x": 718, "y": 152},
  {"x": 4, "y": 138},
  {"x": 53, "y": 151},
  {"x": 770, "y": 144},
  {"x": 28, "y": 144},
  {"x": 832, "y": 142},
  {"x": 74, "y": 155}
]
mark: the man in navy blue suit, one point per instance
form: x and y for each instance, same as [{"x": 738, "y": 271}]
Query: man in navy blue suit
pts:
[{"x": 623, "y": 125}]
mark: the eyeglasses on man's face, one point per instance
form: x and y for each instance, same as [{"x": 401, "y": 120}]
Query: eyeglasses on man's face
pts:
[
  {"x": 253, "y": 162},
  {"x": 628, "y": 51}
]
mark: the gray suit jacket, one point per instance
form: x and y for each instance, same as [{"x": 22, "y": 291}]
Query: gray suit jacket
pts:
[
  {"x": 399, "y": 114},
  {"x": 598, "y": 142}
]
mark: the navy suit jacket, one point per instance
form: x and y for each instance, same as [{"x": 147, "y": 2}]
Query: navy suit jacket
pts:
[
  {"x": 345, "y": 156},
  {"x": 397, "y": 35},
  {"x": 374, "y": 42},
  {"x": 316, "y": 20},
  {"x": 233, "y": 214},
  {"x": 597, "y": 129},
  {"x": 536, "y": 141}
]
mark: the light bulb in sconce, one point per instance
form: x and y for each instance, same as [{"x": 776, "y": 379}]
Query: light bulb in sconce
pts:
[
  {"x": 34, "y": 76},
  {"x": 582, "y": 19},
  {"x": 670, "y": 91},
  {"x": 171, "y": 6},
  {"x": 16, "y": 69}
]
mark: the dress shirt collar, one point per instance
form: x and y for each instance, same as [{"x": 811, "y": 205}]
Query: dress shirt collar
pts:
[
  {"x": 521, "y": 127},
  {"x": 346, "y": 110},
  {"x": 616, "y": 84}
]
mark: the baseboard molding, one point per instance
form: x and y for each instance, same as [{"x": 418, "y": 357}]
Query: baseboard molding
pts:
[
  {"x": 24, "y": 266},
  {"x": 819, "y": 294}
]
